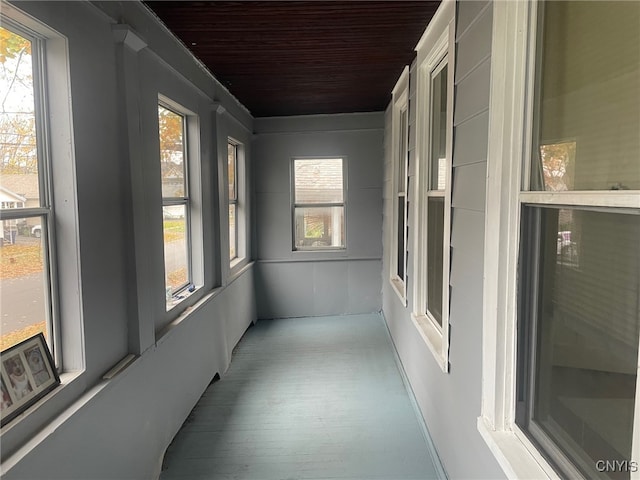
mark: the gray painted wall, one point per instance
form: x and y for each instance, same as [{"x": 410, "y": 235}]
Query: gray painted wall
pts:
[
  {"x": 296, "y": 283},
  {"x": 450, "y": 403},
  {"x": 120, "y": 428}
]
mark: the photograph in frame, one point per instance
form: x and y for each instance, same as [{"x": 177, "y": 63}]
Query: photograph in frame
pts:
[{"x": 27, "y": 374}]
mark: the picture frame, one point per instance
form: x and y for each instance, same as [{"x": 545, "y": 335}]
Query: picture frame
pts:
[{"x": 28, "y": 373}]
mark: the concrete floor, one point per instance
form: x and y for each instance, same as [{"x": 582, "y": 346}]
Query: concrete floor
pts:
[{"x": 306, "y": 398}]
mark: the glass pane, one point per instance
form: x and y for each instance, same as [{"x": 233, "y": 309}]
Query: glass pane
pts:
[
  {"x": 319, "y": 227},
  {"x": 588, "y": 100},
  {"x": 401, "y": 236},
  {"x": 318, "y": 181},
  {"x": 435, "y": 236},
  {"x": 172, "y": 166},
  {"x": 233, "y": 242},
  {"x": 232, "y": 151},
  {"x": 438, "y": 130},
  {"x": 23, "y": 283},
  {"x": 587, "y": 334},
  {"x": 176, "y": 253},
  {"x": 18, "y": 146},
  {"x": 403, "y": 151}
]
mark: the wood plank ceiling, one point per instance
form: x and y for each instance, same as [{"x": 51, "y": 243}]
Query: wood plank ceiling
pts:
[{"x": 301, "y": 57}]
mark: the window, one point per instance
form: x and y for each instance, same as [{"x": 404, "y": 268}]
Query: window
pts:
[
  {"x": 400, "y": 184},
  {"x": 438, "y": 175},
  {"x": 318, "y": 203},
  {"x": 579, "y": 323},
  {"x": 232, "y": 169},
  {"x": 236, "y": 153},
  {"x": 433, "y": 187},
  {"x": 27, "y": 249},
  {"x": 563, "y": 231},
  {"x": 175, "y": 203}
]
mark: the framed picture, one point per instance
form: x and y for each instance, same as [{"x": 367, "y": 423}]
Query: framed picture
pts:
[{"x": 28, "y": 374}]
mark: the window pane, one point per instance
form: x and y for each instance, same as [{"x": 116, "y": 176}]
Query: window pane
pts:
[
  {"x": 587, "y": 334},
  {"x": 439, "y": 130},
  {"x": 18, "y": 146},
  {"x": 319, "y": 227},
  {"x": 231, "y": 167},
  {"x": 232, "y": 232},
  {"x": 23, "y": 284},
  {"x": 435, "y": 236},
  {"x": 176, "y": 255},
  {"x": 403, "y": 151},
  {"x": 171, "y": 127},
  {"x": 318, "y": 181},
  {"x": 401, "y": 247},
  {"x": 588, "y": 100}
]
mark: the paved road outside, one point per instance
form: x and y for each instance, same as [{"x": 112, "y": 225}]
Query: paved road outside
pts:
[
  {"x": 21, "y": 302},
  {"x": 22, "y": 299}
]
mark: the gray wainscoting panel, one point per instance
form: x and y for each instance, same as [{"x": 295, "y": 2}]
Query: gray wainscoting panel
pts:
[
  {"x": 330, "y": 287},
  {"x": 286, "y": 288},
  {"x": 365, "y": 278}
]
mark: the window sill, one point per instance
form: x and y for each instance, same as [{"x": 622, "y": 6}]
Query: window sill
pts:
[
  {"x": 233, "y": 264},
  {"x": 432, "y": 336},
  {"x": 180, "y": 296},
  {"x": 398, "y": 287},
  {"x": 25, "y": 431},
  {"x": 196, "y": 303},
  {"x": 515, "y": 454},
  {"x": 66, "y": 378},
  {"x": 238, "y": 269},
  {"x": 320, "y": 249}
]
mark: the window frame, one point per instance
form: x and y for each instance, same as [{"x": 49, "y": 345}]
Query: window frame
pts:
[
  {"x": 400, "y": 168},
  {"x": 294, "y": 205},
  {"x": 436, "y": 50},
  {"x": 511, "y": 129},
  {"x": 62, "y": 234},
  {"x": 233, "y": 199},
  {"x": 45, "y": 210},
  {"x": 179, "y": 294}
]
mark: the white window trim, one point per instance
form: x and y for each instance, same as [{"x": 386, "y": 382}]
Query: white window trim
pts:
[
  {"x": 193, "y": 217},
  {"x": 437, "y": 43},
  {"x": 237, "y": 201},
  {"x": 56, "y": 144},
  {"x": 237, "y": 264},
  {"x": 67, "y": 301},
  {"x": 511, "y": 87},
  {"x": 44, "y": 211},
  {"x": 510, "y": 61},
  {"x": 400, "y": 105},
  {"x": 295, "y": 205}
]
